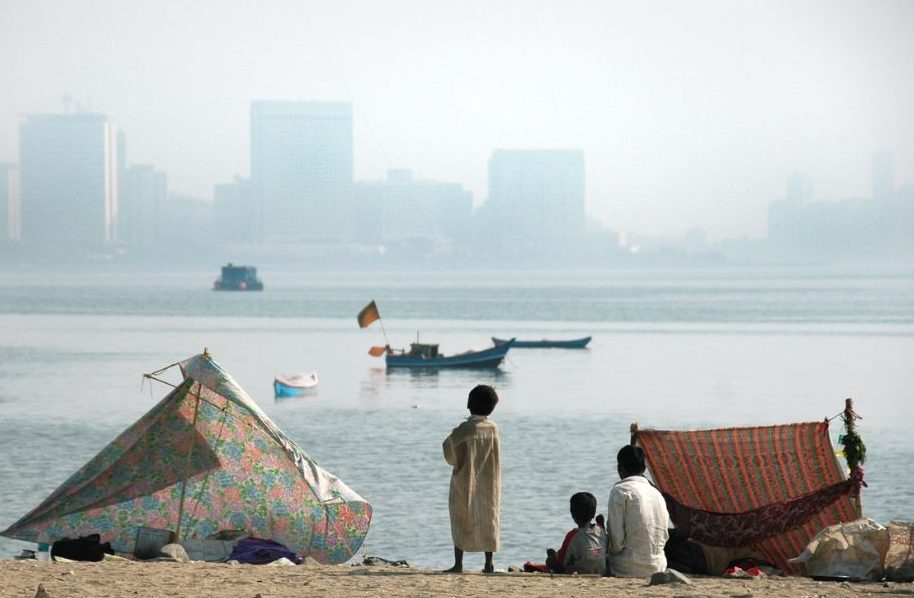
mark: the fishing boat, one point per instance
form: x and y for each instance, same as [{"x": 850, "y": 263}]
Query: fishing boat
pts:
[
  {"x": 576, "y": 343},
  {"x": 238, "y": 278},
  {"x": 425, "y": 355},
  {"x": 296, "y": 385}
]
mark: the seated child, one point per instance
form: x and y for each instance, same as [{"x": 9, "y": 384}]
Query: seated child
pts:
[{"x": 584, "y": 548}]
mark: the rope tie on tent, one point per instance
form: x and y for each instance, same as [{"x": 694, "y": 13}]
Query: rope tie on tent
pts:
[{"x": 857, "y": 482}]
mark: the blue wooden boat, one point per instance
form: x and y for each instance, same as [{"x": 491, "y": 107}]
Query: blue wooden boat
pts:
[
  {"x": 576, "y": 343},
  {"x": 296, "y": 385},
  {"x": 424, "y": 355}
]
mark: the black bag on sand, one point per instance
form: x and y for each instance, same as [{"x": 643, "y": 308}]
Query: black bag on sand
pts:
[{"x": 84, "y": 548}]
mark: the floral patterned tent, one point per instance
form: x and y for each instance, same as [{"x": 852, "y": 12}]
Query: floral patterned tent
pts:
[{"x": 206, "y": 458}]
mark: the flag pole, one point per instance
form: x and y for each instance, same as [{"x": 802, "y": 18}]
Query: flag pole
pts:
[{"x": 386, "y": 342}]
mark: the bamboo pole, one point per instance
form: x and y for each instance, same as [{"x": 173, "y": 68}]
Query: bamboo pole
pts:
[
  {"x": 190, "y": 452},
  {"x": 633, "y": 430},
  {"x": 850, "y": 416}
]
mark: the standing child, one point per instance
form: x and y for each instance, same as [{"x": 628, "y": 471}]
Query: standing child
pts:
[{"x": 472, "y": 450}]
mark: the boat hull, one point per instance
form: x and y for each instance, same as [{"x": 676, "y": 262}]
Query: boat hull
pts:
[
  {"x": 577, "y": 343},
  {"x": 487, "y": 358},
  {"x": 285, "y": 387},
  {"x": 242, "y": 286}
]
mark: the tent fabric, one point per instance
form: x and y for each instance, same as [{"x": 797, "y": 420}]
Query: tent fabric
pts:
[
  {"x": 206, "y": 454},
  {"x": 750, "y": 527},
  {"x": 759, "y": 476}
]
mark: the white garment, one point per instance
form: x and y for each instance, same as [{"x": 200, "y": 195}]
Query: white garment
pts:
[
  {"x": 474, "y": 501},
  {"x": 637, "y": 523}
]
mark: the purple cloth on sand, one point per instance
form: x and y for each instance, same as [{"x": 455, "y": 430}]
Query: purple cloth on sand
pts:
[{"x": 257, "y": 551}]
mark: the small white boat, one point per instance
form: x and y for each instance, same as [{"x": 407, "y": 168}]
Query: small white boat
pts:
[{"x": 295, "y": 385}]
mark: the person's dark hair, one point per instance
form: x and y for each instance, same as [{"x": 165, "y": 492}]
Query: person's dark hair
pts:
[
  {"x": 583, "y": 507},
  {"x": 631, "y": 460},
  {"x": 482, "y": 400}
]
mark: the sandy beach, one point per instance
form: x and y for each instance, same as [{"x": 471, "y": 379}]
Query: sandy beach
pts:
[{"x": 125, "y": 578}]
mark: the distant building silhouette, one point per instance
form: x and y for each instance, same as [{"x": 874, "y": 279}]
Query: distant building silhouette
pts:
[
  {"x": 68, "y": 177},
  {"x": 402, "y": 212},
  {"x": 301, "y": 171},
  {"x": 9, "y": 202},
  {"x": 883, "y": 176},
  {"x": 880, "y": 228},
  {"x": 145, "y": 190},
  {"x": 799, "y": 188},
  {"x": 186, "y": 228},
  {"x": 536, "y": 202},
  {"x": 234, "y": 212}
]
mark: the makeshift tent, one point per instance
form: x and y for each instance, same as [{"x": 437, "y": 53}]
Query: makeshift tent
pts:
[
  {"x": 769, "y": 487},
  {"x": 206, "y": 458}
]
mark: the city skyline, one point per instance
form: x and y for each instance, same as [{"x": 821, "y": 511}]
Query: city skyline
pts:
[
  {"x": 82, "y": 197},
  {"x": 298, "y": 140},
  {"x": 688, "y": 116}
]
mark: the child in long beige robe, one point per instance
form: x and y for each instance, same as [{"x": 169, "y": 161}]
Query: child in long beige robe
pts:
[{"x": 473, "y": 450}]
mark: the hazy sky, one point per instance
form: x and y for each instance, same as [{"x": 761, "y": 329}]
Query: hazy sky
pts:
[{"x": 689, "y": 113}]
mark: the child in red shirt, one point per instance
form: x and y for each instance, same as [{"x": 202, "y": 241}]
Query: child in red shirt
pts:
[{"x": 584, "y": 548}]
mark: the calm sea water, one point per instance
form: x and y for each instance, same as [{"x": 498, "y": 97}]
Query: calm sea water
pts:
[{"x": 678, "y": 350}]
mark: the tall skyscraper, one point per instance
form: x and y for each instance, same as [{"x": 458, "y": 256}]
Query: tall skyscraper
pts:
[
  {"x": 301, "y": 170},
  {"x": 536, "y": 201},
  {"x": 9, "y": 202},
  {"x": 68, "y": 174}
]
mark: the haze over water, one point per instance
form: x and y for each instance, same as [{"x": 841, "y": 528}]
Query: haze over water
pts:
[{"x": 670, "y": 350}]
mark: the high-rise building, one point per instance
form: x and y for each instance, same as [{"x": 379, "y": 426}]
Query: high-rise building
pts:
[
  {"x": 142, "y": 208},
  {"x": 232, "y": 211},
  {"x": 799, "y": 188},
  {"x": 301, "y": 170},
  {"x": 9, "y": 202},
  {"x": 68, "y": 177},
  {"x": 400, "y": 210},
  {"x": 536, "y": 201},
  {"x": 883, "y": 176}
]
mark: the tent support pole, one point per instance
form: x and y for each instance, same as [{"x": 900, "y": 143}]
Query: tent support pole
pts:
[
  {"x": 190, "y": 452},
  {"x": 849, "y": 417}
]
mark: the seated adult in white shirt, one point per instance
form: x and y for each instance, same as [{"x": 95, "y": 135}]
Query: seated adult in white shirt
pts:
[{"x": 637, "y": 520}]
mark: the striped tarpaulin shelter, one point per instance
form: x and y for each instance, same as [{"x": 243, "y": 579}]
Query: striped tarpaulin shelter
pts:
[{"x": 751, "y": 481}]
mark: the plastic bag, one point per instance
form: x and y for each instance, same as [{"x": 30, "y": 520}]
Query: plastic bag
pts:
[{"x": 855, "y": 550}]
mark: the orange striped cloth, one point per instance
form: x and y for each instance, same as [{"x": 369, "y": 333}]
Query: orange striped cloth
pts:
[{"x": 748, "y": 472}]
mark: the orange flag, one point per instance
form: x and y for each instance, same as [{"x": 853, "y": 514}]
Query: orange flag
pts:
[
  {"x": 368, "y": 315},
  {"x": 377, "y": 351}
]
